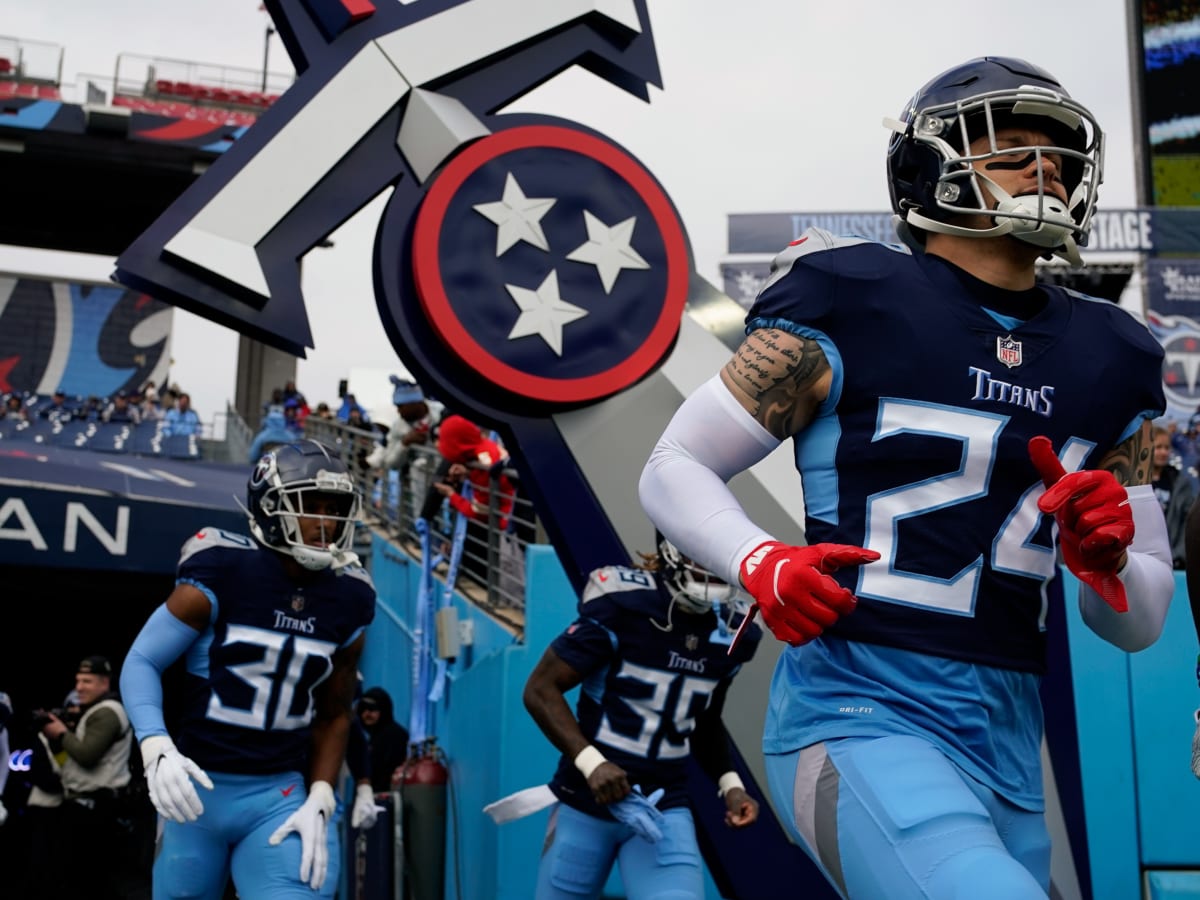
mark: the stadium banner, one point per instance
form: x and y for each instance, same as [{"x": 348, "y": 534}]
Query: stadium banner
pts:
[
  {"x": 83, "y": 338},
  {"x": 83, "y": 509},
  {"x": 1173, "y": 287},
  {"x": 1145, "y": 230}
]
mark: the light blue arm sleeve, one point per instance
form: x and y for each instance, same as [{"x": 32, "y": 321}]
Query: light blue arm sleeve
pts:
[{"x": 162, "y": 640}]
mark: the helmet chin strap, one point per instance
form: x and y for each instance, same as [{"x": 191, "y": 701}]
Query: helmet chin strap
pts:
[{"x": 1053, "y": 230}]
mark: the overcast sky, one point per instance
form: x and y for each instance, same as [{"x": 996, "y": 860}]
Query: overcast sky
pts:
[{"x": 767, "y": 106}]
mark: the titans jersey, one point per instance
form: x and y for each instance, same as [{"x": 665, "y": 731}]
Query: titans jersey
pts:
[
  {"x": 247, "y": 702},
  {"x": 643, "y": 686},
  {"x": 921, "y": 450}
]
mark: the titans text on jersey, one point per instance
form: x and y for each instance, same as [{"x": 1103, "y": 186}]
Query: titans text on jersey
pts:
[{"x": 256, "y": 666}]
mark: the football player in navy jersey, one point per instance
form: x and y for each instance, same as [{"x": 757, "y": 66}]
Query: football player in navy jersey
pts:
[
  {"x": 940, "y": 401},
  {"x": 651, "y": 654},
  {"x": 270, "y": 629}
]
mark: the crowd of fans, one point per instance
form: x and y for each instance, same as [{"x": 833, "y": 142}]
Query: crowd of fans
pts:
[{"x": 171, "y": 407}]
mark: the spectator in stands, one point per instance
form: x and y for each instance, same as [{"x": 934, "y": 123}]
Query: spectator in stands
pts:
[
  {"x": 349, "y": 405},
  {"x": 1174, "y": 492},
  {"x": 415, "y": 420},
  {"x": 120, "y": 409},
  {"x": 14, "y": 408},
  {"x": 290, "y": 392},
  {"x": 357, "y": 418},
  {"x": 92, "y": 408},
  {"x": 294, "y": 414},
  {"x": 471, "y": 459},
  {"x": 387, "y": 739},
  {"x": 57, "y": 410},
  {"x": 275, "y": 431},
  {"x": 182, "y": 419},
  {"x": 323, "y": 411},
  {"x": 274, "y": 402}
]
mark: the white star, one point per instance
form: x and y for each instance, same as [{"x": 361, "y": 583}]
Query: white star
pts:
[
  {"x": 517, "y": 217},
  {"x": 608, "y": 249},
  {"x": 543, "y": 312}
]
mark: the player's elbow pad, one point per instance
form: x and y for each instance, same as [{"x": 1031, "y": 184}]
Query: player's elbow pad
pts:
[{"x": 1148, "y": 577}]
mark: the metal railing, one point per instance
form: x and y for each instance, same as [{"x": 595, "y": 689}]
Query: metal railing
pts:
[{"x": 492, "y": 571}]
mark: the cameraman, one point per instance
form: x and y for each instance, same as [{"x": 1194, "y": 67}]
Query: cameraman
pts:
[{"x": 97, "y": 814}]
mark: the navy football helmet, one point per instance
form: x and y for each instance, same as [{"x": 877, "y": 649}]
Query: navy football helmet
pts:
[
  {"x": 930, "y": 173},
  {"x": 691, "y": 586},
  {"x": 282, "y": 488}
]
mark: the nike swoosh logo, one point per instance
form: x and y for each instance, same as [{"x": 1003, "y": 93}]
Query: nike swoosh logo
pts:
[
  {"x": 775, "y": 585},
  {"x": 287, "y": 791}
]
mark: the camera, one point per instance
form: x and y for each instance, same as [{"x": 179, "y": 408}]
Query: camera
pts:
[
  {"x": 41, "y": 717},
  {"x": 69, "y": 716}
]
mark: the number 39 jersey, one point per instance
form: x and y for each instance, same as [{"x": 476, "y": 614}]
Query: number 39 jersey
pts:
[
  {"x": 644, "y": 687},
  {"x": 247, "y": 702},
  {"x": 920, "y": 451}
]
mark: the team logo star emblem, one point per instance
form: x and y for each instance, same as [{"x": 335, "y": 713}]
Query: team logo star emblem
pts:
[
  {"x": 608, "y": 249},
  {"x": 543, "y": 312},
  {"x": 517, "y": 217}
]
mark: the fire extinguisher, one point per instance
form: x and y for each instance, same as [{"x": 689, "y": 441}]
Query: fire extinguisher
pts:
[{"x": 420, "y": 785}]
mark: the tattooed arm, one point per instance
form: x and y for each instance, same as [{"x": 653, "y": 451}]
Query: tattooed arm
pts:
[
  {"x": 768, "y": 391},
  {"x": 1145, "y": 569},
  {"x": 779, "y": 378},
  {"x": 1130, "y": 460}
]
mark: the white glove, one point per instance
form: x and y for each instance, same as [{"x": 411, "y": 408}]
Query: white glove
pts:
[
  {"x": 310, "y": 821},
  {"x": 1196, "y": 747},
  {"x": 4, "y": 812},
  {"x": 365, "y": 811},
  {"x": 169, "y": 776}
]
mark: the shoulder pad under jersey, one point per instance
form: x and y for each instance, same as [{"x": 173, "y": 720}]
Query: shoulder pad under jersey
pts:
[
  {"x": 623, "y": 587},
  {"x": 210, "y": 538},
  {"x": 359, "y": 574}
]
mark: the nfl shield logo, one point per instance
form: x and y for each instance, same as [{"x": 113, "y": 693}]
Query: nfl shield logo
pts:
[
  {"x": 1008, "y": 351},
  {"x": 691, "y": 642},
  {"x": 297, "y": 603}
]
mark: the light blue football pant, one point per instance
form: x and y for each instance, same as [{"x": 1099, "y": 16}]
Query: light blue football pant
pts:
[
  {"x": 580, "y": 850},
  {"x": 241, "y": 812},
  {"x": 893, "y": 819}
]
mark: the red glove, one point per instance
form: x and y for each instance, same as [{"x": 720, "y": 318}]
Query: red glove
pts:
[
  {"x": 1095, "y": 523},
  {"x": 792, "y": 588}
]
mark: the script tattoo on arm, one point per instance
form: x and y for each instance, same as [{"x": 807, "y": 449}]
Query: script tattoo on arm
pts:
[
  {"x": 780, "y": 379},
  {"x": 1130, "y": 461}
]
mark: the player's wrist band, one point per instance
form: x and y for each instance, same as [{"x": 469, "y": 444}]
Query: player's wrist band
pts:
[
  {"x": 728, "y": 782},
  {"x": 588, "y": 760}
]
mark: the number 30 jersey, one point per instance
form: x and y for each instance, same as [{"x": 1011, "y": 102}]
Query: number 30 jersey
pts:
[
  {"x": 247, "y": 702},
  {"x": 644, "y": 687},
  {"x": 920, "y": 451}
]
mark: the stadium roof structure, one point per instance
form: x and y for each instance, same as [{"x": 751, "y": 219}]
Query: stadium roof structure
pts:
[{"x": 88, "y": 174}]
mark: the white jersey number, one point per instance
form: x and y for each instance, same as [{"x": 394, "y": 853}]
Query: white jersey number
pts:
[{"x": 1011, "y": 550}]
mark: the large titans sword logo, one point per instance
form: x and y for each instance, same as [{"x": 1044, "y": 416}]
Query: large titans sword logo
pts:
[{"x": 530, "y": 271}]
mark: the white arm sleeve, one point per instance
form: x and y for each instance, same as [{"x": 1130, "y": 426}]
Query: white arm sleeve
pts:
[
  {"x": 1148, "y": 578},
  {"x": 709, "y": 440}
]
